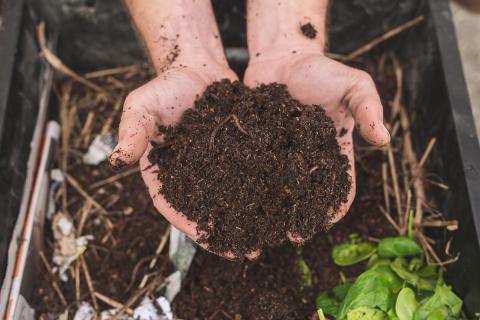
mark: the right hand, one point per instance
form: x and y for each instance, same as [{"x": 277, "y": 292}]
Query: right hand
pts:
[{"x": 162, "y": 101}]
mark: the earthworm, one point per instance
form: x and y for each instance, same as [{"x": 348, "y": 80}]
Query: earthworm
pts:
[{"x": 236, "y": 122}]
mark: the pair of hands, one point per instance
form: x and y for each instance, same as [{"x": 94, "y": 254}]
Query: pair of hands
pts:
[{"x": 348, "y": 95}]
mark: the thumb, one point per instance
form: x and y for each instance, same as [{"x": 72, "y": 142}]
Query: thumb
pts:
[
  {"x": 363, "y": 101},
  {"x": 136, "y": 129}
]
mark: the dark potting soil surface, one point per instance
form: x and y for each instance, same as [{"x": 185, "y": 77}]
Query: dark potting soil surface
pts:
[
  {"x": 116, "y": 266},
  {"x": 308, "y": 30},
  {"x": 250, "y": 166}
]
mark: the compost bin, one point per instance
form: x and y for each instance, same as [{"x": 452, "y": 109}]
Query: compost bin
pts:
[{"x": 434, "y": 90}]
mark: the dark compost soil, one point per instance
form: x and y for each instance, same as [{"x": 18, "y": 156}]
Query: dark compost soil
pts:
[
  {"x": 251, "y": 165},
  {"x": 308, "y": 30}
]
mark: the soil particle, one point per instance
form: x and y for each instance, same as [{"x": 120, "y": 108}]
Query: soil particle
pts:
[
  {"x": 238, "y": 165},
  {"x": 308, "y": 30},
  {"x": 342, "y": 132}
]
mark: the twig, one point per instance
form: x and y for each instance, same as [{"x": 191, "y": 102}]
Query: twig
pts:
[
  {"x": 114, "y": 304},
  {"x": 135, "y": 270},
  {"x": 156, "y": 281},
  {"x": 410, "y": 155},
  {"x": 428, "y": 248},
  {"x": 449, "y": 261},
  {"x": 397, "y": 99},
  {"x": 387, "y": 35},
  {"x": 66, "y": 126},
  {"x": 91, "y": 289},
  {"x": 108, "y": 123},
  {"x": 161, "y": 245},
  {"x": 386, "y": 195},
  {"x": 55, "y": 285},
  {"x": 84, "y": 136},
  {"x": 114, "y": 178},
  {"x": 112, "y": 71},
  {"x": 56, "y": 63},
  {"x": 396, "y": 189},
  {"x": 77, "y": 282},
  {"x": 427, "y": 151},
  {"x": 226, "y": 314},
  {"x": 83, "y": 218},
  {"x": 451, "y": 225},
  {"x": 438, "y": 184},
  {"x": 74, "y": 183},
  {"x": 222, "y": 123},
  {"x": 389, "y": 218}
]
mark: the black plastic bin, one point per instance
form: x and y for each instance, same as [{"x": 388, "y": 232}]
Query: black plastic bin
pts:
[{"x": 97, "y": 34}]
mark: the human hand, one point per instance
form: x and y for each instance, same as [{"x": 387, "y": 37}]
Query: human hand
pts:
[
  {"x": 185, "y": 49},
  {"x": 162, "y": 101},
  {"x": 348, "y": 95}
]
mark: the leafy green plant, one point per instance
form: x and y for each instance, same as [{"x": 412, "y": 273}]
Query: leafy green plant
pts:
[
  {"x": 346, "y": 254},
  {"x": 396, "y": 285},
  {"x": 398, "y": 247}
]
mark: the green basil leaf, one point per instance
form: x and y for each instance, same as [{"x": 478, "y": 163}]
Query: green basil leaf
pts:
[
  {"x": 391, "y": 277},
  {"x": 392, "y": 315},
  {"x": 398, "y": 247},
  {"x": 371, "y": 290},
  {"x": 406, "y": 304},
  {"x": 443, "y": 296},
  {"x": 327, "y": 305},
  {"x": 400, "y": 267},
  {"x": 340, "y": 291},
  {"x": 415, "y": 264},
  {"x": 364, "y": 313},
  {"x": 442, "y": 313},
  {"x": 305, "y": 273},
  {"x": 429, "y": 271},
  {"x": 346, "y": 254},
  {"x": 375, "y": 261}
]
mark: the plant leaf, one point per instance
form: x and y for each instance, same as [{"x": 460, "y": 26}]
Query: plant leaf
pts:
[
  {"x": 392, "y": 315},
  {"x": 391, "y": 277},
  {"x": 305, "y": 273},
  {"x": 340, "y": 291},
  {"x": 371, "y": 290},
  {"x": 428, "y": 271},
  {"x": 400, "y": 267},
  {"x": 375, "y": 261},
  {"x": 398, "y": 247},
  {"x": 443, "y": 296},
  {"x": 346, "y": 254},
  {"x": 364, "y": 313},
  {"x": 441, "y": 313},
  {"x": 406, "y": 304},
  {"x": 327, "y": 305}
]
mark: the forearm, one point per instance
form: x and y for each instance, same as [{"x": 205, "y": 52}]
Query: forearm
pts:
[
  {"x": 276, "y": 25},
  {"x": 179, "y": 32}
]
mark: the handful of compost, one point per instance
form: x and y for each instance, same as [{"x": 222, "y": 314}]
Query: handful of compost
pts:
[{"x": 252, "y": 168}]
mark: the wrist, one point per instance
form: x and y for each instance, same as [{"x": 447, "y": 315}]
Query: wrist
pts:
[
  {"x": 281, "y": 25},
  {"x": 177, "y": 33}
]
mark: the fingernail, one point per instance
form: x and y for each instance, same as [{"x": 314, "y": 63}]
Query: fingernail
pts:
[
  {"x": 114, "y": 159},
  {"x": 385, "y": 133}
]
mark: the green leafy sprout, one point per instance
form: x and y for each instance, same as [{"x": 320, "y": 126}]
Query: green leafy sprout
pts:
[{"x": 397, "y": 284}]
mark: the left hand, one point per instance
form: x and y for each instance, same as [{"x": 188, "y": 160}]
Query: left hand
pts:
[{"x": 348, "y": 95}]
